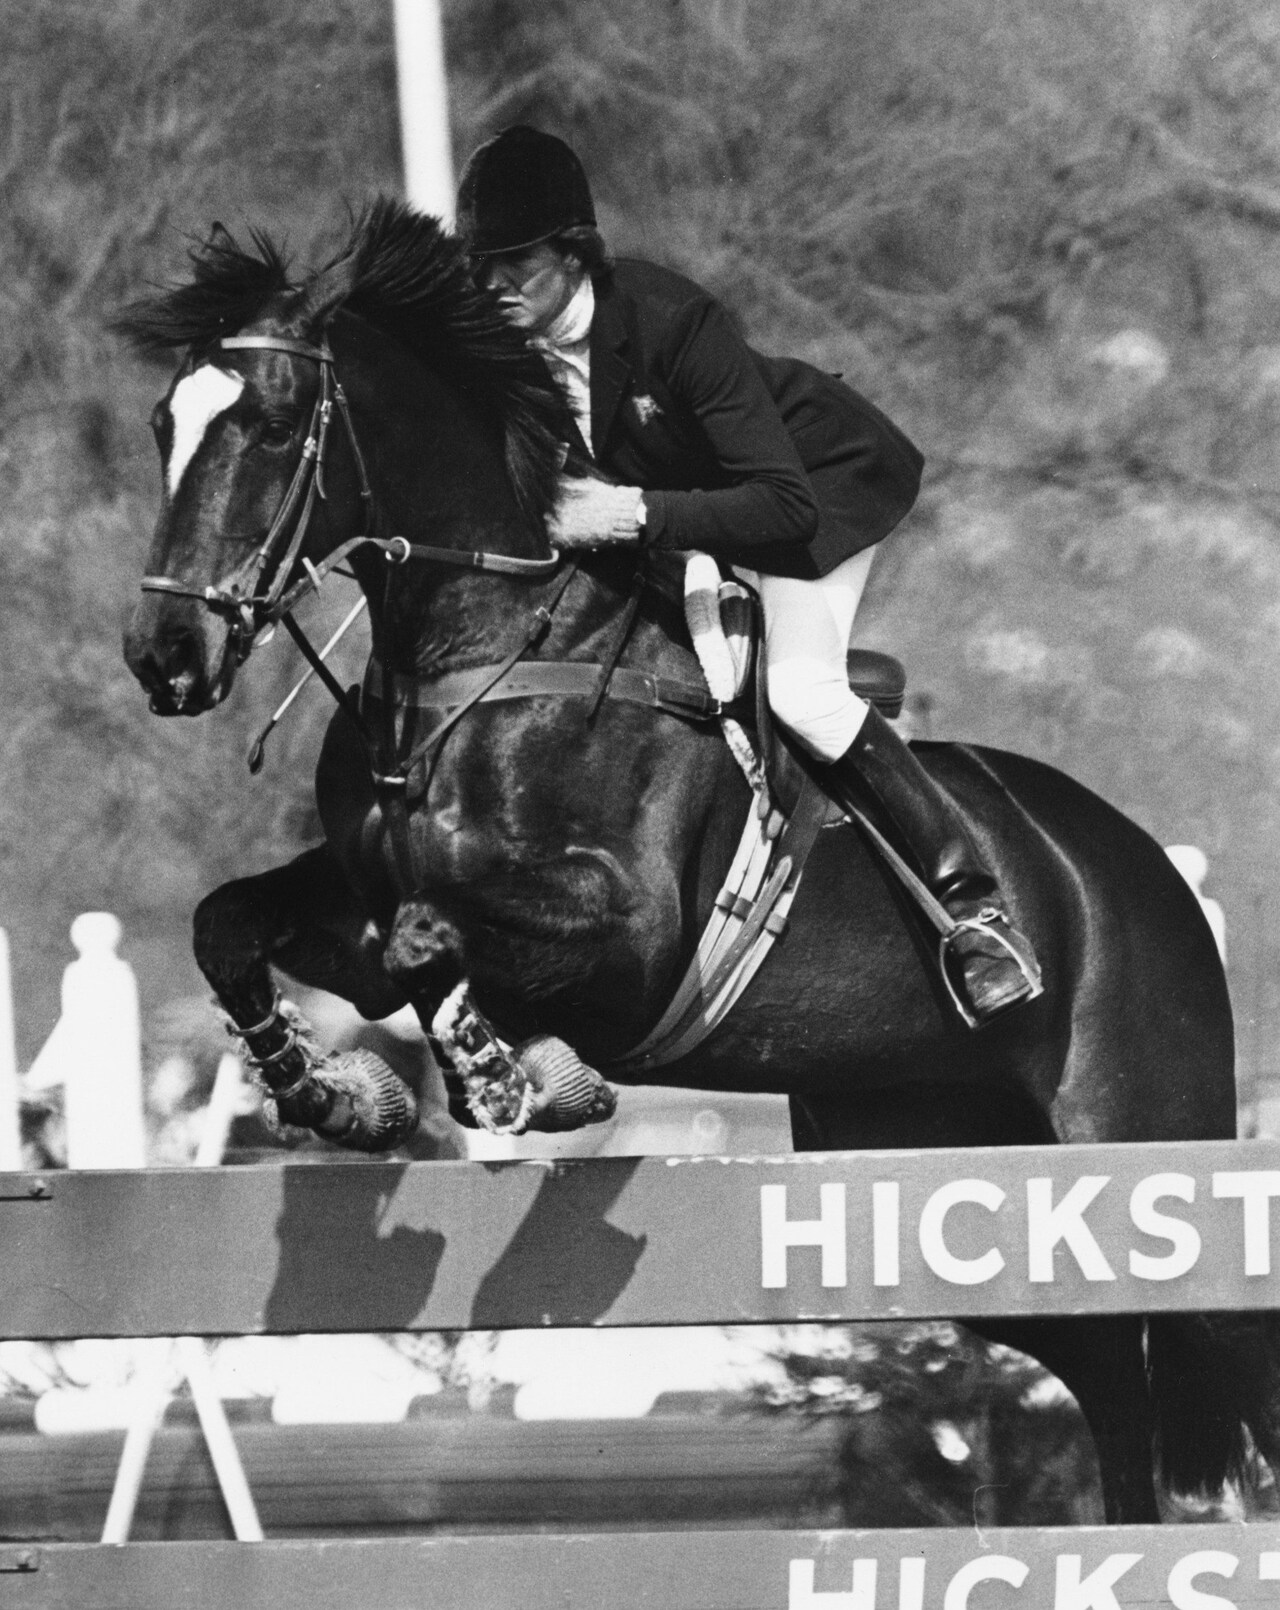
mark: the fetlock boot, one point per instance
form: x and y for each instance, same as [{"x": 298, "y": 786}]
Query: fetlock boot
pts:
[{"x": 989, "y": 964}]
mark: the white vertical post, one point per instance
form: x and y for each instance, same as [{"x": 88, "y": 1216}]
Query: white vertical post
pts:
[
  {"x": 10, "y": 1125},
  {"x": 424, "y": 107},
  {"x": 95, "y": 1053}
]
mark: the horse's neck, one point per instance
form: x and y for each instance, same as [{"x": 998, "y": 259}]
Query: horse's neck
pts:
[{"x": 438, "y": 477}]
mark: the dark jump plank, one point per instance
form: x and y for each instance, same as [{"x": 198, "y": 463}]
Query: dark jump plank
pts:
[
  {"x": 641, "y": 1241},
  {"x": 1155, "y": 1568}
]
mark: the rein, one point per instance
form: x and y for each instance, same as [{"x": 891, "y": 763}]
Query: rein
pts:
[{"x": 241, "y": 596}]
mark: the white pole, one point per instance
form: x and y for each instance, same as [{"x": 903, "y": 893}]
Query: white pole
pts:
[
  {"x": 156, "y": 1379},
  {"x": 245, "y": 1525},
  {"x": 10, "y": 1123},
  {"x": 155, "y": 1388},
  {"x": 424, "y": 107}
]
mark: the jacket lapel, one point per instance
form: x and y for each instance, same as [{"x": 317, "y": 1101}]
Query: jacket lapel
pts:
[{"x": 610, "y": 363}]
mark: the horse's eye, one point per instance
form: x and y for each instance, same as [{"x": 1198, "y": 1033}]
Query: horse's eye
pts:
[{"x": 277, "y": 432}]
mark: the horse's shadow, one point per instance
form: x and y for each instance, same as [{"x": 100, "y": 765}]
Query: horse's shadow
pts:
[
  {"x": 566, "y": 1263},
  {"x": 346, "y": 1253}
]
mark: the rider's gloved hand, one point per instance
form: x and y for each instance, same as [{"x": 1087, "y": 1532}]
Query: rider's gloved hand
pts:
[{"x": 594, "y": 514}]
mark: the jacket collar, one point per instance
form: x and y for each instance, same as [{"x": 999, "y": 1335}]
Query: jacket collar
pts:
[{"x": 610, "y": 360}]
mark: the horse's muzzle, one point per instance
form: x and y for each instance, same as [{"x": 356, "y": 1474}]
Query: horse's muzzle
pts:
[{"x": 172, "y": 663}]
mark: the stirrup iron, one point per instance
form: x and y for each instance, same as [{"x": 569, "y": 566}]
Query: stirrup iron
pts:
[{"x": 989, "y": 922}]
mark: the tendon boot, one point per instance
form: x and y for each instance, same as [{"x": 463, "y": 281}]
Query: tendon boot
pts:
[{"x": 987, "y": 964}]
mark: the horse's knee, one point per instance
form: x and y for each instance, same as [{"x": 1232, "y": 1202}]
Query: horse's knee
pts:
[
  {"x": 424, "y": 950},
  {"x": 227, "y": 924}
]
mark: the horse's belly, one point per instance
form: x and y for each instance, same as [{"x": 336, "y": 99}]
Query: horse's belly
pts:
[{"x": 848, "y": 993}]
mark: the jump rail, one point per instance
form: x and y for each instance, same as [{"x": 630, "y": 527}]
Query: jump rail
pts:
[
  {"x": 649, "y": 1241},
  {"x": 1084, "y": 1568},
  {"x": 640, "y": 1241}
]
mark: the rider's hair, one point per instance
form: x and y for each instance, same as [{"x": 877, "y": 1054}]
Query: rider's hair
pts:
[{"x": 587, "y": 245}]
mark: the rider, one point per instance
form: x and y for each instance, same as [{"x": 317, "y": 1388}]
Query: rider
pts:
[{"x": 764, "y": 462}]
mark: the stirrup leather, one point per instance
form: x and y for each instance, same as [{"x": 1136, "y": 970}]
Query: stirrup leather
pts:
[{"x": 988, "y": 922}]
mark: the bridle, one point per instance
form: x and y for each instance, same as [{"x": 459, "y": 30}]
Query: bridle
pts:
[{"x": 252, "y": 604}]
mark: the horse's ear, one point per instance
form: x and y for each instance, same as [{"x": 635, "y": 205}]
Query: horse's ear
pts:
[
  {"x": 330, "y": 288},
  {"x": 220, "y": 235},
  {"x": 217, "y": 244}
]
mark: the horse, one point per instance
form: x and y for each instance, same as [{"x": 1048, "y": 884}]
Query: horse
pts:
[{"x": 560, "y": 854}]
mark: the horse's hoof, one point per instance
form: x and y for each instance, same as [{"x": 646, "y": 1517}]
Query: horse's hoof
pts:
[
  {"x": 372, "y": 1109},
  {"x": 567, "y": 1094}
]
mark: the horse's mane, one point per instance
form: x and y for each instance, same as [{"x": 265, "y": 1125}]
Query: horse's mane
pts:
[{"x": 403, "y": 273}]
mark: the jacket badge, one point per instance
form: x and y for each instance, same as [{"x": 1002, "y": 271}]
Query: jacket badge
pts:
[{"x": 646, "y": 409}]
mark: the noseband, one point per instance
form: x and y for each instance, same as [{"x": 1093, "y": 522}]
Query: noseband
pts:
[{"x": 250, "y": 606}]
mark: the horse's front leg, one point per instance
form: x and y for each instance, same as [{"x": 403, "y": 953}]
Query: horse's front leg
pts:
[
  {"x": 304, "y": 918},
  {"x": 539, "y": 1083}
]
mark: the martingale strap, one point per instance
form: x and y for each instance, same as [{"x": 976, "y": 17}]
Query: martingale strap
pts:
[{"x": 749, "y": 916}]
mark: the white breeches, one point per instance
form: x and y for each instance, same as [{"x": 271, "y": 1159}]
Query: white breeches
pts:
[{"x": 807, "y": 626}]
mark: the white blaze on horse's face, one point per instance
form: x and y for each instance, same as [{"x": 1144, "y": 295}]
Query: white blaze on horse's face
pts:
[{"x": 197, "y": 401}]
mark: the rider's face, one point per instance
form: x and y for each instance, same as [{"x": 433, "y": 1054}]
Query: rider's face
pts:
[{"x": 534, "y": 285}]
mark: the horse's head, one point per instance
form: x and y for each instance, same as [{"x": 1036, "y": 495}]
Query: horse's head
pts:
[
  {"x": 230, "y": 430},
  {"x": 248, "y": 495}
]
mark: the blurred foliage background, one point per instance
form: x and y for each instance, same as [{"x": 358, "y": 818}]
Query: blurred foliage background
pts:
[{"x": 1043, "y": 237}]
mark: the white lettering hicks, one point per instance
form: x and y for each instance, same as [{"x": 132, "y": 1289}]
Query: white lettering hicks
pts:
[
  {"x": 1093, "y": 1592},
  {"x": 937, "y": 1254},
  {"x": 991, "y": 1568},
  {"x": 1047, "y": 1225},
  {"x": 1185, "y": 1237},
  {"x": 1255, "y": 1187},
  {"x": 886, "y": 1214},
  {"x": 778, "y": 1233},
  {"x": 1205, "y": 1562}
]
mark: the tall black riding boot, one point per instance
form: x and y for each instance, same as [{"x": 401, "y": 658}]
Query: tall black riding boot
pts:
[{"x": 987, "y": 959}]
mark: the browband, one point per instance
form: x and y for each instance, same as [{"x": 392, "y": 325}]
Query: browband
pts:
[{"x": 275, "y": 343}]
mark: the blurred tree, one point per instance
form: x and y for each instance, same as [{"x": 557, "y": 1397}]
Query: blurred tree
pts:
[
  {"x": 1043, "y": 237},
  {"x": 942, "y": 1429}
]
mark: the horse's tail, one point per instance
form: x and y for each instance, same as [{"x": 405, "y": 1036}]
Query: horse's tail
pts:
[{"x": 1215, "y": 1384}]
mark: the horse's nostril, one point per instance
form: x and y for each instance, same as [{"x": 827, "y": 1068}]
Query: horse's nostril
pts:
[{"x": 169, "y": 666}]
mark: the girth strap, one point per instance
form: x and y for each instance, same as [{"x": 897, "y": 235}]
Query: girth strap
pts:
[{"x": 556, "y": 678}]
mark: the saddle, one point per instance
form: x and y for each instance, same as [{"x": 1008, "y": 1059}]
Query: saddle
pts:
[{"x": 728, "y": 622}]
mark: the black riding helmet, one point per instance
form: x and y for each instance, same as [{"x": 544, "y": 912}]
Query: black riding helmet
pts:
[{"x": 519, "y": 188}]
